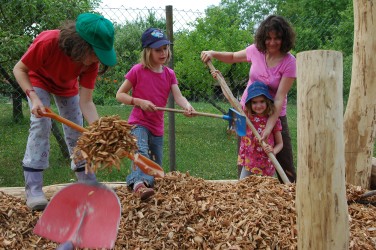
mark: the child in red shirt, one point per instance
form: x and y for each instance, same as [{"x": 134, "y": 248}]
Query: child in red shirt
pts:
[{"x": 62, "y": 64}]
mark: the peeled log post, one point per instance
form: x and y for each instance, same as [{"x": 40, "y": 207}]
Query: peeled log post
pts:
[
  {"x": 360, "y": 115},
  {"x": 322, "y": 212}
]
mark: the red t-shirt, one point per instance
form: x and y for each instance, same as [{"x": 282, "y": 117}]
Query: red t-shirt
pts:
[{"x": 54, "y": 71}]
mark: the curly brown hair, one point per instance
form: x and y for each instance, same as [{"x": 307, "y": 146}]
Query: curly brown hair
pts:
[
  {"x": 73, "y": 45},
  {"x": 270, "y": 108},
  {"x": 279, "y": 25}
]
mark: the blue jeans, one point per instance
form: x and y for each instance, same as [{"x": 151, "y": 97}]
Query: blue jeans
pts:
[{"x": 150, "y": 146}]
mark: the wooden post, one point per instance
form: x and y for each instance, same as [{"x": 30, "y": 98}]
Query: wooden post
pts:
[
  {"x": 360, "y": 115},
  {"x": 322, "y": 212}
]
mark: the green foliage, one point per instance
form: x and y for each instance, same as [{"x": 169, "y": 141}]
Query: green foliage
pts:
[
  {"x": 33, "y": 17},
  {"x": 21, "y": 21},
  {"x": 327, "y": 25},
  {"x": 230, "y": 26},
  {"x": 220, "y": 30},
  {"x": 128, "y": 49},
  {"x": 319, "y": 24},
  {"x": 347, "y": 70}
]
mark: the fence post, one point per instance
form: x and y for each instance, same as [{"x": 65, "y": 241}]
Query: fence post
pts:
[
  {"x": 171, "y": 115},
  {"x": 322, "y": 212}
]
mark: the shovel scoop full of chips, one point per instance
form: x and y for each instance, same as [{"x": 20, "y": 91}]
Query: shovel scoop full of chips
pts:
[{"x": 105, "y": 143}]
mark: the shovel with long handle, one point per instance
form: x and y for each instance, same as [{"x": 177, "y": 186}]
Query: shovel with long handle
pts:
[
  {"x": 145, "y": 164},
  {"x": 235, "y": 103},
  {"x": 85, "y": 215},
  {"x": 236, "y": 120}
]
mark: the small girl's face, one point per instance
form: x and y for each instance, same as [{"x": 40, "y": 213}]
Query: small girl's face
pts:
[
  {"x": 159, "y": 55},
  {"x": 258, "y": 104}
]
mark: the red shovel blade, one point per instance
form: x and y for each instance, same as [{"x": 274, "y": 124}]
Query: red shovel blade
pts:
[{"x": 87, "y": 215}]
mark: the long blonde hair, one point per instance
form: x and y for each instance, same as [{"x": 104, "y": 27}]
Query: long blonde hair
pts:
[{"x": 145, "y": 57}]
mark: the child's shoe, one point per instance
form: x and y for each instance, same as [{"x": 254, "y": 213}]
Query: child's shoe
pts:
[{"x": 140, "y": 190}]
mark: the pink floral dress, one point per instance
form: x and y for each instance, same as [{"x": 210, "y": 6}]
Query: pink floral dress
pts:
[{"x": 251, "y": 155}]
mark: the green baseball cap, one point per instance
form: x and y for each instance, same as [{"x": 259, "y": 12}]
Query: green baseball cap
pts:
[{"x": 99, "y": 33}]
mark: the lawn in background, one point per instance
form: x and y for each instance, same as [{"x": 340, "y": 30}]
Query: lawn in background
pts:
[{"x": 203, "y": 148}]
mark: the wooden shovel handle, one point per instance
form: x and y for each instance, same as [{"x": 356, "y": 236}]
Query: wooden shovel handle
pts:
[
  {"x": 146, "y": 165},
  {"x": 235, "y": 103},
  {"x": 193, "y": 113},
  {"x": 49, "y": 113}
]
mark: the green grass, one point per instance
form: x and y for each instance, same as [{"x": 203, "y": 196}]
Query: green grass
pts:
[{"x": 203, "y": 148}]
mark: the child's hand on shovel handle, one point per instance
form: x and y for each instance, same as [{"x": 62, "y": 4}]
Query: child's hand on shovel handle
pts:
[
  {"x": 267, "y": 148},
  {"x": 189, "y": 111}
]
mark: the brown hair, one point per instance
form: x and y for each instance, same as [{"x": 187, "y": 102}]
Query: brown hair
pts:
[
  {"x": 279, "y": 25},
  {"x": 73, "y": 45},
  {"x": 269, "y": 107},
  {"x": 145, "y": 57}
]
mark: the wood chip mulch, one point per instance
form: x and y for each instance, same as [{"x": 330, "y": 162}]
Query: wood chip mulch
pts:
[
  {"x": 105, "y": 143},
  {"x": 191, "y": 213}
]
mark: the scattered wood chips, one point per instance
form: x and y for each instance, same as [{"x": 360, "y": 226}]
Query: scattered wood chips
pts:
[
  {"x": 191, "y": 213},
  {"x": 107, "y": 141}
]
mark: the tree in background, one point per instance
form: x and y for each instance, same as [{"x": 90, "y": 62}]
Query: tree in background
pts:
[
  {"x": 325, "y": 25},
  {"x": 128, "y": 50},
  {"x": 227, "y": 27},
  {"x": 20, "y": 22}
]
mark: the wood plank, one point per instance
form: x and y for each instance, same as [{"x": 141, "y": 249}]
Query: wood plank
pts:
[{"x": 19, "y": 192}]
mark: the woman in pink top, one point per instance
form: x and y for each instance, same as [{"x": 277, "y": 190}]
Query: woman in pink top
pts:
[
  {"x": 150, "y": 83},
  {"x": 61, "y": 64},
  {"x": 273, "y": 64}
]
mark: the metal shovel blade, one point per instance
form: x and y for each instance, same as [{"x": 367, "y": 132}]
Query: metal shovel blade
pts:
[
  {"x": 236, "y": 121},
  {"x": 86, "y": 215}
]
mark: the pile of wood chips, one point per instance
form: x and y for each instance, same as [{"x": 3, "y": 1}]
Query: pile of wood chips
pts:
[
  {"x": 191, "y": 213},
  {"x": 107, "y": 141}
]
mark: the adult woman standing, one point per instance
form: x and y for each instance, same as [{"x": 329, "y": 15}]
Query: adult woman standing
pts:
[{"x": 273, "y": 64}]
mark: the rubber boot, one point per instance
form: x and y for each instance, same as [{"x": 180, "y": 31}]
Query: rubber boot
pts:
[
  {"x": 35, "y": 198},
  {"x": 85, "y": 178}
]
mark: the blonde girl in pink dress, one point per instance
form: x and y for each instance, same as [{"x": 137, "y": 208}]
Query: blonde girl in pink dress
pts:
[{"x": 252, "y": 156}]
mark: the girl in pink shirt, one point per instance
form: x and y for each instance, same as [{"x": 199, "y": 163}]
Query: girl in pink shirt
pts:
[
  {"x": 271, "y": 63},
  {"x": 150, "y": 83}
]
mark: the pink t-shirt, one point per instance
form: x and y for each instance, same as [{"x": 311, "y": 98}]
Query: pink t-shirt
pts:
[
  {"x": 54, "y": 71},
  {"x": 259, "y": 71},
  {"x": 154, "y": 87}
]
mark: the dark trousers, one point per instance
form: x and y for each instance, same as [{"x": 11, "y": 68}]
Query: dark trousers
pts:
[{"x": 285, "y": 156}]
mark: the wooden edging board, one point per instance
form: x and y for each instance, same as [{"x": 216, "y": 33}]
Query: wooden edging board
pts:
[{"x": 49, "y": 191}]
